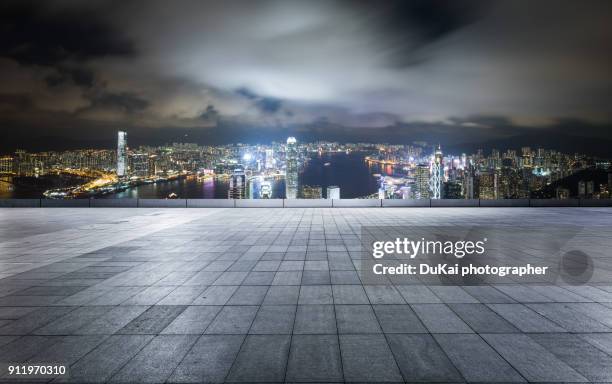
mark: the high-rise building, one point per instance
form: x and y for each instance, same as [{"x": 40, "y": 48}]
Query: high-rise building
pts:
[
  {"x": 291, "y": 171},
  {"x": 6, "y": 164},
  {"x": 269, "y": 158},
  {"x": 237, "y": 185},
  {"x": 312, "y": 192},
  {"x": 436, "y": 174},
  {"x": 333, "y": 192},
  {"x": 452, "y": 190},
  {"x": 422, "y": 182},
  {"x": 121, "y": 154},
  {"x": 487, "y": 185},
  {"x": 139, "y": 165}
]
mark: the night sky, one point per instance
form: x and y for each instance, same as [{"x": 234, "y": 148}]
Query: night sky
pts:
[{"x": 455, "y": 72}]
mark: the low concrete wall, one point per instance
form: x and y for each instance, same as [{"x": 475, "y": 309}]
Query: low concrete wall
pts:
[
  {"x": 53, "y": 203},
  {"x": 162, "y": 203},
  {"x": 356, "y": 203},
  {"x": 113, "y": 203},
  {"x": 308, "y": 203},
  {"x": 19, "y": 203},
  {"x": 210, "y": 203},
  {"x": 259, "y": 203},
  {"x": 406, "y": 203},
  {"x": 504, "y": 203},
  {"x": 554, "y": 203},
  {"x": 596, "y": 202},
  {"x": 455, "y": 203},
  {"x": 296, "y": 203}
]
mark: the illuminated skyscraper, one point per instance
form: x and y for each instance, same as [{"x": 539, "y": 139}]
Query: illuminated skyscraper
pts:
[
  {"x": 237, "y": 186},
  {"x": 121, "y": 154},
  {"x": 291, "y": 172},
  {"x": 139, "y": 164},
  {"x": 269, "y": 158},
  {"x": 436, "y": 174},
  {"x": 422, "y": 182},
  {"x": 312, "y": 192},
  {"x": 487, "y": 185},
  {"x": 333, "y": 192}
]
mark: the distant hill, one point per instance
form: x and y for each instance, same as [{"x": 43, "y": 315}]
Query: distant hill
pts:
[{"x": 563, "y": 143}]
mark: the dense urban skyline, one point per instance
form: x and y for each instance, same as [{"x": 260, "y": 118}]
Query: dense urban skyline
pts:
[{"x": 467, "y": 74}]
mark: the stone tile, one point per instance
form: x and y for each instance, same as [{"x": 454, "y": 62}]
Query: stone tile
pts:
[
  {"x": 262, "y": 358},
  {"x": 383, "y": 294},
  {"x": 367, "y": 359},
  {"x": 314, "y": 358},
  {"x": 589, "y": 361},
  {"x": 315, "y": 319},
  {"x": 398, "y": 319},
  {"x": 315, "y": 294},
  {"x": 569, "y": 319},
  {"x": 248, "y": 295},
  {"x": 344, "y": 277},
  {"x": 316, "y": 278},
  {"x": 182, "y": 295},
  {"x": 452, "y": 294},
  {"x": 476, "y": 360},
  {"x": 522, "y": 293},
  {"x": 73, "y": 321},
  {"x": 417, "y": 294},
  {"x": 193, "y": 320},
  {"x": 149, "y": 296},
  {"x": 34, "y": 320},
  {"x": 216, "y": 295},
  {"x": 233, "y": 320},
  {"x": 488, "y": 294},
  {"x": 274, "y": 320},
  {"x": 603, "y": 341},
  {"x": 113, "y": 320},
  {"x": 68, "y": 349},
  {"x": 259, "y": 278},
  {"x": 438, "y": 318},
  {"x": 100, "y": 364},
  {"x": 356, "y": 319},
  {"x": 525, "y": 319},
  {"x": 482, "y": 319},
  {"x": 349, "y": 294},
  {"x": 287, "y": 278},
  {"x": 23, "y": 348},
  {"x": 153, "y": 320},
  {"x": 420, "y": 359},
  {"x": 209, "y": 360},
  {"x": 282, "y": 295},
  {"x": 532, "y": 360},
  {"x": 231, "y": 278},
  {"x": 156, "y": 361}
]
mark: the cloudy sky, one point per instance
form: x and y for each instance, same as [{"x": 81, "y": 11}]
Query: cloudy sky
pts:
[{"x": 457, "y": 71}]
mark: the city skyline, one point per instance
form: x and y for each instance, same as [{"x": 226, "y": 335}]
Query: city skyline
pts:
[{"x": 465, "y": 74}]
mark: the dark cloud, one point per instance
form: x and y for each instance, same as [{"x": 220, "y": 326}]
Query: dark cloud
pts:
[
  {"x": 125, "y": 102},
  {"x": 380, "y": 70}
]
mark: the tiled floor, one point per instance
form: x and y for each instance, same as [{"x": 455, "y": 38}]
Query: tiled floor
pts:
[{"x": 274, "y": 295}]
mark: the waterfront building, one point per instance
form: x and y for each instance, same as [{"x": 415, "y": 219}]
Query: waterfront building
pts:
[
  {"x": 237, "y": 184},
  {"x": 139, "y": 165},
  {"x": 270, "y": 158},
  {"x": 333, "y": 192},
  {"x": 121, "y": 154},
  {"x": 6, "y": 164},
  {"x": 291, "y": 170},
  {"x": 487, "y": 185},
  {"x": 436, "y": 174},
  {"x": 312, "y": 192},
  {"x": 422, "y": 182}
]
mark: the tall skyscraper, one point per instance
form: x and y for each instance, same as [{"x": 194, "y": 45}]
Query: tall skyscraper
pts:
[
  {"x": 269, "y": 158},
  {"x": 333, "y": 192},
  {"x": 312, "y": 192},
  {"x": 291, "y": 171},
  {"x": 436, "y": 174},
  {"x": 237, "y": 186},
  {"x": 121, "y": 154},
  {"x": 422, "y": 182}
]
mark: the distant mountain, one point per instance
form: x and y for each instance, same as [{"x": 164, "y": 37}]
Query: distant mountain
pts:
[{"x": 563, "y": 143}]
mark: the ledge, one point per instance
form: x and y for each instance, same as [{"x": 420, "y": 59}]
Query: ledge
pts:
[{"x": 297, "y": 203}]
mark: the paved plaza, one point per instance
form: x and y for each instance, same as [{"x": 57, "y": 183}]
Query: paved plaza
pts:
[{"x": 275, "y": 295}]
